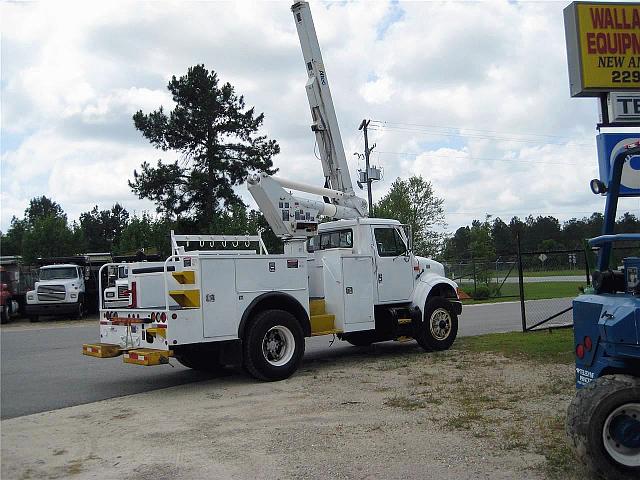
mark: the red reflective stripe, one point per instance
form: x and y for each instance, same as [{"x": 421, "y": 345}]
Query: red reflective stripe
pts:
[{"x": 134, "y": 295}]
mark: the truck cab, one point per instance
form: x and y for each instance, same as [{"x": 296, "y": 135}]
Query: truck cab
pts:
[
  {"x": 60, "y": 290},
  {"x": 369, "y": 262},
  {"x": 117, "y": 295}
]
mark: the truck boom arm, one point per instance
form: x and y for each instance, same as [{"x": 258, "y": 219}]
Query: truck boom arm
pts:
[
  {"x": 325, "y": 122},
  {"x": 294, "y": 217}
]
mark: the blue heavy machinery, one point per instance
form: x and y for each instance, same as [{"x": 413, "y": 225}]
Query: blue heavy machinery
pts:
[{"x": 603, "y": 420}]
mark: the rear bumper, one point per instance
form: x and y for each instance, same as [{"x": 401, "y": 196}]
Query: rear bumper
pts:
[{"x": 51, "y": 308}]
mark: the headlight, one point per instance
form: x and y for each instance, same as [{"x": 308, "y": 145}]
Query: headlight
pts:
[
  {"x": 110, "y": 294},
  {"x": 30, "y": 296},
  {"x": 74, "y": 295}
]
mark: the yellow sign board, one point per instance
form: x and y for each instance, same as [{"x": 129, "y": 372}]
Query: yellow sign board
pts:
[{"x": 603, "y": 47}]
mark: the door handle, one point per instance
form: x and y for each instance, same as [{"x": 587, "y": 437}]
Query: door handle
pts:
[{"x": 379, "y": 278}]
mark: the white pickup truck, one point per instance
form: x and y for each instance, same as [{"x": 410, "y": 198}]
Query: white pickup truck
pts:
[
  {"x": 60, "y": 290},
  {"x": 118, "y": 295}
]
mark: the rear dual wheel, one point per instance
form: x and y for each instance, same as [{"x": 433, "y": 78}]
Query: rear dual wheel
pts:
[{"x": 273, "y": 345}]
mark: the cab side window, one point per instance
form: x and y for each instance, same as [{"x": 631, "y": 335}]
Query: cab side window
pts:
[
  {"x": 389, "y": 242},
  {"x": 337, "y": 239}
]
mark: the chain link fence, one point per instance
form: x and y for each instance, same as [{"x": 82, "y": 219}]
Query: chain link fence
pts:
[{"x": 545, "y": 282}]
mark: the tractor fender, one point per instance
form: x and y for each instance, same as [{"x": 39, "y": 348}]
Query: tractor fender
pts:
[{"x": 433, "y": 286}]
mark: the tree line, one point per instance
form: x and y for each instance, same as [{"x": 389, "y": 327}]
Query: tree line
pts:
[
  {"x": 45, "y": 231},
  {"x": 493, "y": 237}
]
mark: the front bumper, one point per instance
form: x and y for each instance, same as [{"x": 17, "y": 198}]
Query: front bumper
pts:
[
  {"x": 456, "y": 306},
  {"x": 51, "y": 308},
  {"x": 113, "y": 304}
]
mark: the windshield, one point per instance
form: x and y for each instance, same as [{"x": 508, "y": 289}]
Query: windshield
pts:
[{"x": 61, "y": 273}]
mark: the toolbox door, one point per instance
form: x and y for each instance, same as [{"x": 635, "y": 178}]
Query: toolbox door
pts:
[
  {"x": 357, "y": 275},
  {"x": 219, "y": 297}
]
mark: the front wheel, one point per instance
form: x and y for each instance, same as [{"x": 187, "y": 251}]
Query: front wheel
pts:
[
  {"x": 273, "y": 345},
  {"x": 80, "y": 310},
  {"x": 4, "y": 318},
  {"x": 603, "y": 425},
  {"x": 439, "y": 326}
]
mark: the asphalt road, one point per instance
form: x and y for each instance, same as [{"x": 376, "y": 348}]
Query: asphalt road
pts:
[{"x": 43, "y": 369}]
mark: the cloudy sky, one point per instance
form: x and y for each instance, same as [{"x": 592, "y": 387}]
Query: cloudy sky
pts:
[{"x": 473, "y": 96}]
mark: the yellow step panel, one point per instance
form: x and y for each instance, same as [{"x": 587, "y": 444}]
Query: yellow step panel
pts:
[
  {"x": 147, "y": 356},
  {"x": 186, "y": 298},
  {"x": 188, "y": 277},
  {"x": 323, "y": 324},
  {"x": 101, "y": 350},
  {"x": 152, "y": 331},
  {"x": 317, "y": 307}
]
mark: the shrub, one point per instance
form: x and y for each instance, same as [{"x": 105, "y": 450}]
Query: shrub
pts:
[{"x": 482, "y": 292}]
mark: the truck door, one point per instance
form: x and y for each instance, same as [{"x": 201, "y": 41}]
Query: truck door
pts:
[{"x": 394, "y": 269}]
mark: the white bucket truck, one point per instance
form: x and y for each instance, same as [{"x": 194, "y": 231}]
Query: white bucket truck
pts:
[{"x": 355, "y": 277}]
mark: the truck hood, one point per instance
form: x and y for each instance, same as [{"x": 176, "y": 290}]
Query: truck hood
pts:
[
  {"x": 430, "y": 267},
  {"x": 69, "y": 283}
]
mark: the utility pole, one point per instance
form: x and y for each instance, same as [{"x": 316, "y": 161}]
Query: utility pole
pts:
[{"x": 363, "y": 126}]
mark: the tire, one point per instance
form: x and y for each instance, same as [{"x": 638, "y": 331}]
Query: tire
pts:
[
  {"x": 590, "y": 419},
  {"x": 273, "y": 346},
  {"x": 79, "y": 315},
  {"x": 439, "y": 327},
  {"x": 360, "y": 339},
  {"x": 200, "y": 358},
  {"x": 5, "y": 314}
]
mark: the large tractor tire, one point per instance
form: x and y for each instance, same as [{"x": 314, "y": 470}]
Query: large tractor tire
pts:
[
  {"x": 439, "y": 327},
  {"x": 273, "y": 345},
  {"x": 603, "y": 425},
  {"x": 5, "y": 314}
]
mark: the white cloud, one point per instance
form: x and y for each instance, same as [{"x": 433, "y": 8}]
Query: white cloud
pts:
[{"x": 73, "y": 74}]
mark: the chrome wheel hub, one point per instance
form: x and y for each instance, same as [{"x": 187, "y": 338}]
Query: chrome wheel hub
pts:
[
  {"x": 440, "y": 324},
  {"x": 278, "y": 345}
]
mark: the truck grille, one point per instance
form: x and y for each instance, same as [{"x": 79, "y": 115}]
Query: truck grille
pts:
[
  {"x": 47, "y": 293},
  {"x": 122, "y": 289}
]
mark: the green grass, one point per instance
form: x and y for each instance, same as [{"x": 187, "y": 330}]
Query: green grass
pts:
[
  {"x": 551, "y": 273},
  {"x": 532, "y": 291},
  {"x": 543, "y": 347}
]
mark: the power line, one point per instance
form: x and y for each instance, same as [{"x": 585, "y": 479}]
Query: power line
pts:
[
  {"x": 482, "y": 137},
  {"x": 472, "y": 129},
  {"x": 462, "y": 157},
  {"x": 438, "y": 133}
]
